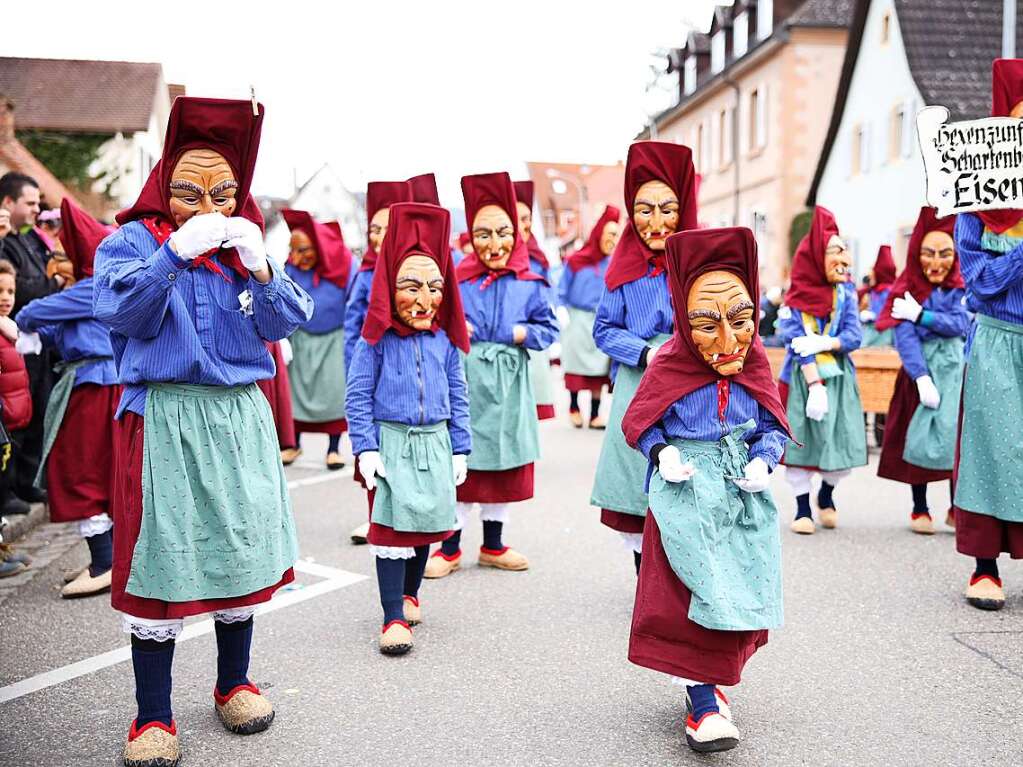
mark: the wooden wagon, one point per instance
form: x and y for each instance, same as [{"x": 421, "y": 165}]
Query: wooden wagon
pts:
[{"x": 876, "y": 370}]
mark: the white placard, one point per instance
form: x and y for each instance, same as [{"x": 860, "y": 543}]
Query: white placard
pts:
[{"x": 971, "y": 165}]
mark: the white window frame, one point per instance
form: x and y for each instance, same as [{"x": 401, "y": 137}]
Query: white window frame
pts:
[
  {"x": 908, "y": 127},
  {"x": 765, "y": 19},
  {"x": 717, "y": 52},
  {"x": 740, "y": 35},
  {"x": 760, "y": 135},
  {"x": 725, "y": 135},
  {"x": 689, "y": 75}
]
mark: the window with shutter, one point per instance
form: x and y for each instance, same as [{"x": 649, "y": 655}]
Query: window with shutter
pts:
[
  {"x": 765, "y": 19},
  {"x": 740, "y": 34},
  {"x": 717, "y": 52}
]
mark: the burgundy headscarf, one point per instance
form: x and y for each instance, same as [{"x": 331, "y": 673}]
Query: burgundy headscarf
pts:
[
  {"x": 671, "y": 164},
  {"x": 424, "y": 189},
  {"x": 493, "y": 189},
  {"x": 590, "y": 254},
  {"x": 80, "y": 234},
  {"x": 525, "y": 193},
  {"x": 884, "y": 268},
  {"x": 415, "y": 229},
  {"x": 333, "y": 259},
  {"x": 913, "y": 278},
  {"x": 381, "y": 194},
  {"x": 810, "y": 290},
  {"x": 678, "y": 368},
  {"x": 1006, "y": 92}
]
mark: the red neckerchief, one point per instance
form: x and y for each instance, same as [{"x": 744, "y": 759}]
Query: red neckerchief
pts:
[
  {"x": 723, "y": 392},
  {"x": 657, "y": 262},
  {"x": 162, "y": 230},
  {"x": 494, "y": 274}
]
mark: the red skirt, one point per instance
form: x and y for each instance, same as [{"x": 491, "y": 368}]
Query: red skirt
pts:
[
  {"x": 278, "y": 394},
  {"x": 544, "y": 412},
  {"x": 664, "y": 639},
  {"x": 905, "y": 400},
  {"x": 508, "y": 486},
  {"x": 339, "y": 426},
  {"x": 622, "y": 522},
  {"x": 593, "y": 384},
  {"x": 382, "y": 535},
  {"x": 129, "y": 435},
  {"x": 80, "y": 467}
]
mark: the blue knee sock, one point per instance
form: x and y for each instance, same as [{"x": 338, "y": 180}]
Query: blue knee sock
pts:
[
  {"x": 334, "y": 441},
  {"x": 703, "y": 699},
  {"x": 803, "y": 506},
  {"x": 986, "y": 567},
  {"x": 492, "y": 535},
  {"x": 824, "y": 499},
  {"x": 414, "y": 571},
  {"x": 234, "y": 641},
  {"x": 452, "y": 545},
  {"x": 152, "y": 663},
  {"x": 391, "y": 581},
  {"x": 638, "y": 559},
  {"x": 101, "y": 550},
  {"x": 920, "y": 499}
]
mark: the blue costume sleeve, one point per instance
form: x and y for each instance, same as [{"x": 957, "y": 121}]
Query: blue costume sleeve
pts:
[
  {"x": 280, "y": 306},
  {"x": 768, "y": 439},
  {"x": 610, "y": 333},
  {"x": 131, "y": 294},
  {"x": 907, "y": 343},
  {"x": 541, "y": 325},
  {"x": 789, "y": 327},
  {"x": 948, "y": 323},
  {"x": 565, "y": 286},
  {"x": 458, "y": 392},
  {"x": 651, "y": 438},
  {"x": 361, "y": 389},
  {"x": 850, "y": 331},
  {"x": 355, "y": 314},
  {"x": 74, "y": 303},
  {"x": 986, "y": 274}
]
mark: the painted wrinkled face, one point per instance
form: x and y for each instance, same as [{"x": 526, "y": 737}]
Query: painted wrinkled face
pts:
[
  {"x": 493, "y": 236},
  {"x": 202, "y": 182},
  {"x": 837, "y": 261},
  {"x": 655, "y": 213},
  {"x": 525, "y": 221},
  {"x": 60, "y": 264},
  {"x": 937, "y": 256},
  {"x": 378, "y": 228},
  {"x": 418, "y": 291},
  {"x": 302, "y": 253},
  {"x": 1017, "y": 111},
  {"x": 721, "y": 320},
  {"x": 609, "y": 237}
]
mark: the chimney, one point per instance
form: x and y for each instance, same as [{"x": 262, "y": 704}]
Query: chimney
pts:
[{"x": 6, "y": 119}]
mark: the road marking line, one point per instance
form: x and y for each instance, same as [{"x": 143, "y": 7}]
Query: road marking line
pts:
[
  {"x": 318, "y": 478},
  {"x": 334, "y": 579}
]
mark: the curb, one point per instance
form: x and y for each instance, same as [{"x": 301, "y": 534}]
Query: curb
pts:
[{"x": 17, "y": 526}]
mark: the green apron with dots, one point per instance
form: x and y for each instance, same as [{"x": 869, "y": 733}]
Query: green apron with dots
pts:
[
  {"x": 932, "y": 432},
  {"x": 417, "y": 495},
  {"x": 579, "y": 354}
]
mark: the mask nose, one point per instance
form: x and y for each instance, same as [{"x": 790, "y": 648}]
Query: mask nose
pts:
[{"x": 206, "y": 204}]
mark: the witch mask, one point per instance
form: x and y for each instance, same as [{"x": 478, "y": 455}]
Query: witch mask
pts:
[
  {"x": 525, "y": 220},
  {"x": 493, "y": 236},
  {"x": 202, "y": 182},
  {"x": 609, "y": 237},
  {"x": 837, "y": 261},
  {"x": 378, "y": 228},
  {"x": 721, "y": 320},
  {"x": 418, "y": 291},
  {"x": 937, "y": 256},
  {"x": 655, "y": 213},
  {"x": 302, "y": 253}
]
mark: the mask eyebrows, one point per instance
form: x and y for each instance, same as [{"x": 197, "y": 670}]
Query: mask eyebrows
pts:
[
  {"x": 223, "y": 186},
  {"x": 709, "y": 314},
  {"x": 410, "y": 281},
  {"x": 185, "y": 186},
  {"x": 739, "y": 308}
]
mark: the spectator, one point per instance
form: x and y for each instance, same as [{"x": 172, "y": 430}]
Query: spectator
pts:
[
  {"x": 770, "y": 304},
  {"x": 15, "y": 397}
]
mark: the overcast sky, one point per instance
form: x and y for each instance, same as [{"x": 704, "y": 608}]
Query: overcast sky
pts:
[{"x": 391, "y": 89}]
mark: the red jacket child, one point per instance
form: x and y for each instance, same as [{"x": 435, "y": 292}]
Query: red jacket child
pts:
[{"x": 15, "y": 397}]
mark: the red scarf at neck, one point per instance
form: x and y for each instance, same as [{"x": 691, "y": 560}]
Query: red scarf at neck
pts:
[{"x": 162, "y": 230}]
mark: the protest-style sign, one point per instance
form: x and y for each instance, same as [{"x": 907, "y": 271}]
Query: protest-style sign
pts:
[{"x": 971, "y": 165}]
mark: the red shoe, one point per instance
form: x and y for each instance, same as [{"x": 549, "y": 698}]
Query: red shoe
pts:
[
  {"x": 985, "y": 592},
  {"x": 153, "y": 745},
  {"x": 440, "y": 564},
  {"x": 244, "y": 710}
]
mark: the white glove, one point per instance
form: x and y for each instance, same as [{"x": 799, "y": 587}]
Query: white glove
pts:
[
  {"x": 461, "y": 466},
  {"x": 867, "y": 316},
  {"x": 371, "y": 467},
  {"x": 287, "y": 353},
  {"x": 906, "y": 308},
  {"x": 201, "y": 233},
  {"x": 563, "y": 316},
  {"x": 28, "y": 343},
  {"x": 245, "y": 237},
  {"x": 650, "y": 354},
  {"x": 807, "y": 346},
  {"x": 756, "y": 477},
  {"x": 817, "y": 402},
  {"x": 929, "y": 395},
  {"x": 669, "y": 464}
]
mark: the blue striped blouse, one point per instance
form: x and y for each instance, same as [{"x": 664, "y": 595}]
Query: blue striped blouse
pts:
[
  {"x": 355, "y": 311},
  {"x": 328, "y": 299},
  {"x": 994, "y": 281},
  {"x": 505, "y": 303},
  {"x": 850, "y": 332},
  {"x": 582, "y": 289},
  {"x": 630, "y": 315},
  {"x": 944, "y": 316},
  {"x": 169, "y": 323}
]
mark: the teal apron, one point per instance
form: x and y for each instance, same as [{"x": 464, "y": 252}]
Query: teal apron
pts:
[
  {"x": 873, "y": 337},
  {"x": 721, "y": 542},
  {"x": 56, "y": 407},
  {"x": 502, "y": 410},
  {"x": 540, "y": 376},
  {"x": 621, "y": 471},
  {"x": 990, "y": 478},
  {"x": 579, "y": 354},
  {"x": 317, "y": 376},
  {"x": 932, "y": 432},
  {"x": 418, "y": 493},
  {"x": 216, "y": 517},
  {"x": 839, "y": 441}
]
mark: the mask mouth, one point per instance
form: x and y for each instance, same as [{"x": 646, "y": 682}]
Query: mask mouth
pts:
[
  {"x": 841, "y": 270},
  {"x": 420, "y": 314},
  {"x": 725, "y": 359}
]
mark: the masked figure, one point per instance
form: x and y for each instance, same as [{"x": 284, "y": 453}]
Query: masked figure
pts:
[
  {"x": 508, "y": 311},
  {"x": 634, "y": 317},
  {"x": 190, "y": 299},
  {"x": 926, "y": 313},
  {"x": 409, "y": 408},
  {"x": 708, "y": 419},
  {"x": 324, "y": 268},
  {"x": 78, "y": 443},
  {"x": 989, "y": 476},
  {"x": 579, "y": 291},
  {"x": 821, "y": 326},
  {"x": 540, "y": 374},
  {"x": 873, "y": 298}
]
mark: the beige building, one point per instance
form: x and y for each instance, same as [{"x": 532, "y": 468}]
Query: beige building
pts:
[{"x": 755, "y": 100}]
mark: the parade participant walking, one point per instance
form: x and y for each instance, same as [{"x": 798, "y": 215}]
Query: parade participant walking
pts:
[
  {"x": 408, "y": 407},
  {"x": 507, "y": 308},
  {"x": 579, "y": 290},
  {"x": 818, "y": 379},
  {"x": 635, "y": 317},
  {"x": 873, "y": 298},
  {"x": 708, "y": 419},
  {"x": 324, "y": 268},
  {"x": 989, "y": 476},
  {"x": 78, "y": 440},
  {"x": 190, "y": 298},
  {"x": 540, "y": 373},
  {"x": 930, "y": 323}
]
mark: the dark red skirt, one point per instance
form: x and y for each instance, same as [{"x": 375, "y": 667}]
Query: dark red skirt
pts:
[
  {"x": 129, "y": 435},
  {"x": 278, "y": 394},
  {"x": 664, "y": 639},
  {"x": 339, "y": 426},
  {"x": 508, "y": 486},
  {"x": 622, "y": 522},
  {"x": 593, "y": 384},
  {"x": 382, "y": 535},
  {"x": 80, "y": 467},
  {"x": 905, "y": 400},
  {"x": 544, "y": 412}
]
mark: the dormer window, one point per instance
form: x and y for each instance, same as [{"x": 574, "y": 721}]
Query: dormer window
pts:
[
  {"x": 717, "y": 52},
  {"x": 765, "y": 19},
  {"x": 689, "y": 75},
  {"x": 740, "y": 34}
]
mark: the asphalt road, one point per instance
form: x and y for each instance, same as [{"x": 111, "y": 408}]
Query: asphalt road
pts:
[{"x": 880, "y": 661}]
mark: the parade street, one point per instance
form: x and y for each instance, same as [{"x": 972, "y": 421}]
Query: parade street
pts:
[{"x": 880, "y": 661}]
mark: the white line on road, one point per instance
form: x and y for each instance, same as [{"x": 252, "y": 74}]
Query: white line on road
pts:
[
  {"x": 316, "y": 479},
  {"x": 334, "y": 579}
]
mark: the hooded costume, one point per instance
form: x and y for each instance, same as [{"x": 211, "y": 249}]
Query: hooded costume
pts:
[{"x": 872, "y": 300}]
